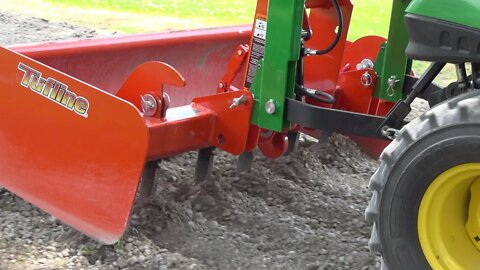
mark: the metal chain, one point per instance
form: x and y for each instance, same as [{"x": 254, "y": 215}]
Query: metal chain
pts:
[{"x": 390, "y": 133}]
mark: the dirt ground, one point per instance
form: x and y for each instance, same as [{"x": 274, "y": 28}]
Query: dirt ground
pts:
[{"x": 303, "y": 211}]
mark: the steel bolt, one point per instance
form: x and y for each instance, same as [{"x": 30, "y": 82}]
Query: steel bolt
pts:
[
  {"x": 367, "y": 79},
  {"x": 392, "y": 81},
  {"x": 238, "y": 101},
  {"x": 149, "y": 105},
  {"x": 239, "y": 52},
  {"x": 365, "y": 64},
  {"x": 221, "y": 85},
  {"x": 270, "y": 106}
]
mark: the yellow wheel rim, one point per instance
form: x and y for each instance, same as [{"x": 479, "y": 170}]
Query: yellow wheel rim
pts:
[{"x": 442, "y": 219}]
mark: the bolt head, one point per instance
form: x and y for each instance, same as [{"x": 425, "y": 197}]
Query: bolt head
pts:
[
  {"x": 367, "y": 79},
  {"x": 238, "y": 101},
  {"x": 270, "y": 106},
  {"x": 149, "y": 105},
  {"x": 365, "y": 64},
  {"x": 239, "y": 52},
  {"x": 221, "y": 85},
  {"x": 392, "y": 81}
]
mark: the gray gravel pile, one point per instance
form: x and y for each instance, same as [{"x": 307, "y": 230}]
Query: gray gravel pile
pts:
[
  {"x": 31, "y": 239},
  {"x": 16, "y": 29},
  {"x": 303, "y": 211}
]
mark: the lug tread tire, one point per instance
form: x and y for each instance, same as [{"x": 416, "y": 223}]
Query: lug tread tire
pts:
[{"x": 461, "y": 109}]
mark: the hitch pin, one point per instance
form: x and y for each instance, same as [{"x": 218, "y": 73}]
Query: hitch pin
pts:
[{"x": 238, "y": 101}]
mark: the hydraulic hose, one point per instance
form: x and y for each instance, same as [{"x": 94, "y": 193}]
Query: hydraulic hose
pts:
[
  {"x": 339, "y": 12},
  {"x": 317, "y": 95}
]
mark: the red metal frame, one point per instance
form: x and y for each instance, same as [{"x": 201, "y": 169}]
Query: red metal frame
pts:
[
  {"x": 206, "y": 122},
  {"x": 234, "y": 68},
  {"x": 194, "y": 52},
  {"x": 201, "y": 56},
  {"x": 85, "y": 168},
  {"x": 323, "y": 22},
  {"x": 82, "y": 169}
]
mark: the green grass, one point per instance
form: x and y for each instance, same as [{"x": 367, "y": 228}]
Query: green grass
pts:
[
  {"x": 221, "y": 12},
  {"x": 371, "y": 17}
]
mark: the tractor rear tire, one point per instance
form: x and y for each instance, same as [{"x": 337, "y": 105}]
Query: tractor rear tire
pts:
[{"x": 409, "y": 212}]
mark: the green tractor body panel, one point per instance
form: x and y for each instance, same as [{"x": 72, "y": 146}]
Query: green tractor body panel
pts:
[
  {"x": 444, "y": 31},
  {"x": 275, "y": 78},
  {"x": 464, "y": 12},
  {"x": 392, "y": 63}
]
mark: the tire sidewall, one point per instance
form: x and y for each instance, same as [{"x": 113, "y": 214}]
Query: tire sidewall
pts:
[{"x": 408, "y": 180}]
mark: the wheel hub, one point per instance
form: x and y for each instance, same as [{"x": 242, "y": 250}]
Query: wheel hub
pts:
[
  {"x": 449, "y": 219},
  {"x": 473, "y": 222}
]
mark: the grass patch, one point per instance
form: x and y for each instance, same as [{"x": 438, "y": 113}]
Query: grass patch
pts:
[
  {"x": 370, "y": 17},
  {"x": 220, "y": 12}
]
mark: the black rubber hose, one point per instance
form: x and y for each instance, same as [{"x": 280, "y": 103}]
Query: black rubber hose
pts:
[
  {"x": 320, "y": 96},
  {"x": 339, "y": 32}
]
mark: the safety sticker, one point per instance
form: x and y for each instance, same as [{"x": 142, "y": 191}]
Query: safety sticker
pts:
[{"x": 257, "y": 49}]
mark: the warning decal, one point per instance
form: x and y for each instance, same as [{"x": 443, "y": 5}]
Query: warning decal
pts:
[{"x": 257, "y": 49}]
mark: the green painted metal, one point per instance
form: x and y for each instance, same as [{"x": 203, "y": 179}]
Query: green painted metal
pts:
[
  {"x": 392, "y": 62},
  {"x": 275, "y": 77},
  {"x": 464, "y": 12}
]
